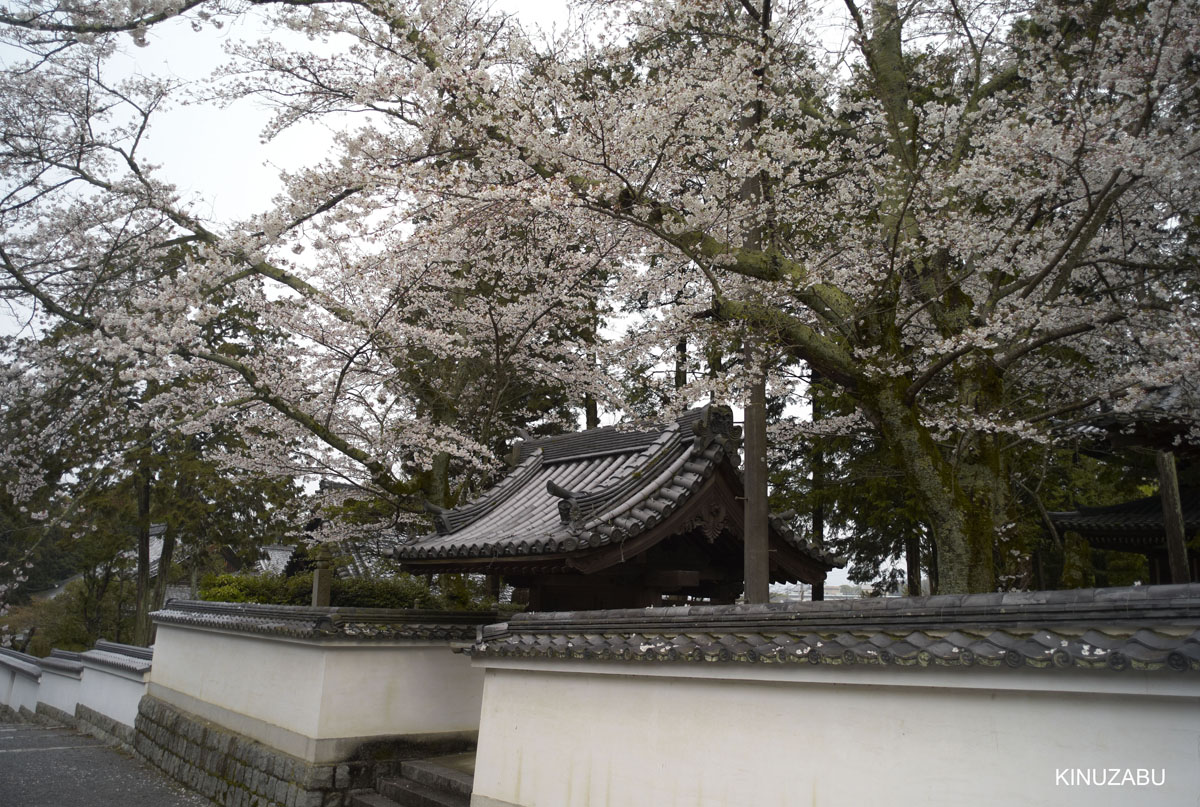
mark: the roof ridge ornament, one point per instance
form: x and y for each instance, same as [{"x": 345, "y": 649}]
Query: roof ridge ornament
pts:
[
  {"x": 440, "y": 522},
  {"x": 714, "y": 425},
  {"x": 568, "y": 509}
]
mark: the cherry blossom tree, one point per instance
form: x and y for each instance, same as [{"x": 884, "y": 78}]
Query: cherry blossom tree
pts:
[{"x": 974, "y": 219}]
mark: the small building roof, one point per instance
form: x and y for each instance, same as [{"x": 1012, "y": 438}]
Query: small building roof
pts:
[
  {"x": 1164, "y": 417},
  {"x": 274, "y": 558},
  {"x": 587, "y": 501},
  {"x": 1129, "y": 526}
]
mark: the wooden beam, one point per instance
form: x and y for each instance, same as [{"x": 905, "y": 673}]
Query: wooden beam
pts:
[{"x": 1168, "y": 485}]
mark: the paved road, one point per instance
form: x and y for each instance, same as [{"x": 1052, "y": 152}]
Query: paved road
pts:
[{"x": 59, "y": 767}]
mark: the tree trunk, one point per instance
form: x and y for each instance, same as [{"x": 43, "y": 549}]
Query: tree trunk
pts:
[
  {"x": 962, "y": 529},
  {"x": 681, "y": 363},
  {"x": 591, "y": 412},
  {"x": 439, "y": 480}
]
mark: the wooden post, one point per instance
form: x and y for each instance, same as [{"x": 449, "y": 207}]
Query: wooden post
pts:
[
  {"x": 143, "y": 479},
  {"x": 756, "y": 559},
  {"x": 1168, "y": 485},
  {"x": 322, "y": 577},
  {"x": 818, "y": 466},
  {"x": 912, "y": 560}
]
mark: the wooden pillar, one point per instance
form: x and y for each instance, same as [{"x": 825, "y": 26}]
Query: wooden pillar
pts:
[
  {"x": 756, "y": 559},
  {"x": 143, "y": 479},
  {"x": 1168, "y": 485},
  {"x": 818, "y": 466},
  {"x": 912, "y": 561}
]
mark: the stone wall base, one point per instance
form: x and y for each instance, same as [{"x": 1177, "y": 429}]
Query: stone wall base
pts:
[
  {"x": 103, "y": 727},
  {"x": 49, "y": 715},
  {"x": 235, "y": 771},
  {"x": 11, "y": 715}
]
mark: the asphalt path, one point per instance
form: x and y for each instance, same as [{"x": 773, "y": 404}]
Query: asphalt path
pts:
[{"x": 59, "y": 767}]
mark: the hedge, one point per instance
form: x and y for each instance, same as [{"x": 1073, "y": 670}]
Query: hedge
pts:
[{"x": 402, "y": 591}]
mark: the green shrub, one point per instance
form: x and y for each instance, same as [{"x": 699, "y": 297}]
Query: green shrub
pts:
[
  {"x": 401, "y": 591},
  {"x": 73, "y": 620}
]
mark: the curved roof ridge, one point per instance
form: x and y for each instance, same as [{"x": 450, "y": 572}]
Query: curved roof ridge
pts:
[
  {"x": 578, "y": 508},
  {"x": 638, "y": 465},
  {"x": 621, "y": 506},
  {"x": 621, "y": 438},
  {"x": 456, "y": 518}
]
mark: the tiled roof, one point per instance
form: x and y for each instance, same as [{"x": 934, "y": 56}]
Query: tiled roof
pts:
[
  {"x": 584, "y": 491},
  {"x": 276, "y": 560},
  {"x": 1175, "y": 403},
  {"x": 300, "y": 622},
  {"x": 119, "y": 656},
  {"x": 64, "y": 661},
  {"x": 366, "y": 558},
  {"x": 177, "y": 592},
  {"x": 1164, "y": 417},
  {"x": 21, "y": 662},
  {"x": 1137, "y": 521},
  {"x": 1142, "y": 628}
]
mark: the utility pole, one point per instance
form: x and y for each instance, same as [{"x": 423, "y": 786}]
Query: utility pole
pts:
[
  {"x": 756, "y": 557},
  {"x": 756, "y": 190}
]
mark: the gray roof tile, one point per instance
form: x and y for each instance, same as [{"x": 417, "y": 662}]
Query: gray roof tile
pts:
[
  {"x": 1143, "y": 628},
  {"x": 22, "y": 662},
  {"x": 62, "y": 661},
  {"x": 130, "y": 658},
  {"x": 381, "y": 624}
]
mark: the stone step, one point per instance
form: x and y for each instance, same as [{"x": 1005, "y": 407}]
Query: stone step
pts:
[
  {"x": 369, "y": 798},
  {"x": 407, "y": 793},
  {"x": 428, "y": 772}
]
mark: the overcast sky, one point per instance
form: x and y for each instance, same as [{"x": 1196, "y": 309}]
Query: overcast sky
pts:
[{"x": 214, "y": 155}]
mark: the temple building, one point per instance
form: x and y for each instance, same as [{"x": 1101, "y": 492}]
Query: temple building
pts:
[
  {"x": 1159, "y": 435},
  {"x": 1136, "y": 526},
  {"x": 617, "y": 517}
]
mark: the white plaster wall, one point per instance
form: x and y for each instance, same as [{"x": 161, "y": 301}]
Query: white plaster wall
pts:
[
  {"x": 405, "y": 689},
  {"x": 273, "y": 681},
  {"x": 111, "y": 692},
  {"x": 21, "y": 689},
  {"x": 322, "y": 690},
  {"x": 6, "y": 684},
  {"x": 60, "y": 690},
  {"x": 575, "y": 737}
]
